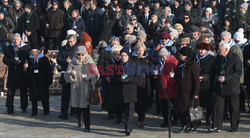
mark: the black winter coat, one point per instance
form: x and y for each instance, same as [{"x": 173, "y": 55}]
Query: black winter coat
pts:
[
  {"x": 63, "y": 54},
  {"x": 206, "y": 94},
  {"x": 233, "y": 70},
  {"x": 39, "y": 82},
  {"x": 77, "y": 25},
  {"x": 246, "y": 55},
  {"x": 16, "y": 77},
  {"x": 107, "y": 25},
  {"x": 9, "y": 26},
  {"x": 28, "y": 23}
]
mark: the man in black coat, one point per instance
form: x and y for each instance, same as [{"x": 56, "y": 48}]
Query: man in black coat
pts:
[
  {"x": 15, "y": 56},
  {"x": 226, "y": 73},
  {"x": 29, "y": 24},
  {"x": 66, "y": 53}
]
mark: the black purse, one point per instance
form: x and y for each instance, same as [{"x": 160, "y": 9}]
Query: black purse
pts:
[{"x": 195, "y": 112}]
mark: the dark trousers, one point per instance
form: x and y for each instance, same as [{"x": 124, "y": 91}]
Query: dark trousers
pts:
[
  {"x": 65, "y": 99},
  {"x": 129, "y": 109},
  {"x": 45, "y": 104},
  {"x": 164, "y": 105},
  {"x": 10, "y": 99},
  {"x": 54, "y": 43},
  {"x": 184, "y": 118},
  {"x": 234, "y": 112},
  {"x": 141, "y": 115},
  {"x": 118, "y": 110},
  {"x": 242, "y": 97},
  {"x": 85, "y": 114}
]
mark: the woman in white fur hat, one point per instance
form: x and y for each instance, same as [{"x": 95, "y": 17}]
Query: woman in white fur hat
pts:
[{"x": 239, "y": 38}]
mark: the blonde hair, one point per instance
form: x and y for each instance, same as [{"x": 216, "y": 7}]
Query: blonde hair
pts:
[
  {"x": 140, "y": 45},
  {"x": 154, "y": 16},
  {"x": 68, "y": 2}
]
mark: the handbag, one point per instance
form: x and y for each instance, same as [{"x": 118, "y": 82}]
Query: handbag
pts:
[
  {"x": 195, "y": 112},
  {"x": 9, "y": 35},
  {"x": 95, "y": 97}
]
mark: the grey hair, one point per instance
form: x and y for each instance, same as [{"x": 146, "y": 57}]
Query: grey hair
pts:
[
  {"x": 72, "y": 36},
  {"x": 131, "y": 39},
  {"x": 17, "y": 2},
  {"x": 227, "y": 34},
  {"x": 167, "y": 8},
  {"x": 224, "y": 44},
  {"x": 139, "y": 45}
]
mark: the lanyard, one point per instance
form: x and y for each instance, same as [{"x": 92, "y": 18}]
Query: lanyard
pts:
[
  {"x": 223, "y": 63},
  {"x": 182, "y": 70},
  {"x": 199, "y": 59},
  {"x": 162, "y": 64},
  {"x": 15, "y": 51},
  {"x": 28, "y": 16},
  {"x": 35, "y": 65},
  {"x": 124, "y": 69}
]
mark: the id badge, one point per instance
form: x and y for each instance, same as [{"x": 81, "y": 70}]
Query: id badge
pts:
[
  {"x": 84, "y": 76},
  {"x": 75, "y": 27},
  {"x": 36, "y": 71},
  {"x": 28, "y": 21},
  {"x": 124, "y": 76},
  {"x": 16, "y": 58}
]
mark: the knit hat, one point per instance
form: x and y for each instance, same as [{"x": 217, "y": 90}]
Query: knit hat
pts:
[
  {"x": 184, "y": 41},
  {"x": 15, "y": 35},
  {"x": 165, "y": 35},
  {"x": 209, "y": 10},
  {"x": 116, "y": 48},
  {"x": 203, "y": 45},
  {"x": 157, "y": 1},
  {"x": 108, "y": 1},
  {"x": 28, "y": 5},
  {"x": 71, "y": 32},
  {"x": 194, "y": 28},
  {"x": 178, "y": 26},
  {"x": 244, "y": 6},
  {"x": 141, "y": 34},
  {"x": 81, "y": 49},
  {"x": 173, "y": 32},
  {"x": 56, "y": 1},
  {"x": 239, "y": 35},
  {"x": 186, "y": 51},
  {"x": 33, "y": 2},
  {"x": 85, "y": 38},
  {"x": 125, "y": 50},
  {"x": 163, "y": 52}
]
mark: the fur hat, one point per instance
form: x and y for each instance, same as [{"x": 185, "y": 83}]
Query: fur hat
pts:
[
  {"x": 85, "y": 38},
  {"x": 108, "y": 1},
  {"x": 71, "y": 32},
  {"x": 186, "y": 51},
  {"x": 116, "y": 48},
  {"x": 81, "y": 49},
  {"x": 163, "y": 52},
  {"x": 165, "y": 35},
  {"x": 244, "y": 6},
  {"x": 203, "y": 45},
  {"x": 178, "y": 26},
  {"x": 184, "y": 41}
]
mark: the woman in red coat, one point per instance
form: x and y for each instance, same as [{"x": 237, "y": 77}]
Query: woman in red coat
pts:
[
  {"x": 188, "y": 85},
  {"x": 166, "y": 67}
]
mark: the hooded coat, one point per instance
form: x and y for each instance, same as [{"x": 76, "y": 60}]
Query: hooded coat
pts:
[{"x": 79, "y": 86}]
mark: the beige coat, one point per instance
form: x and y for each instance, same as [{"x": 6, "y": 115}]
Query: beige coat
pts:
[{"x": 79, "y": 86}]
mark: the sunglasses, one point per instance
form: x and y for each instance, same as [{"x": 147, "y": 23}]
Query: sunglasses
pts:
[
  {"x": 186, "y": 18},
  {"x": 164, "y": 38}
]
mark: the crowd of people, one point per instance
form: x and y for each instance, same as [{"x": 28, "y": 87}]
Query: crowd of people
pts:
[{"x": 138, "y": 52}]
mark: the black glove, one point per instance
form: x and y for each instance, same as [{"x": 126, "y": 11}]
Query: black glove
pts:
[
  {"x": 126, "y": 80},
  {"x": 56, "y": 28}
]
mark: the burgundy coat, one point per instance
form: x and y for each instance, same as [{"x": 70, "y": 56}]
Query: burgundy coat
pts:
[
  {"x": 169, "y": 83},
  {"x": 187, "y": 86}
]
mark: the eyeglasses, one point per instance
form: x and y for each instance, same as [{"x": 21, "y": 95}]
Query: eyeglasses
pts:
[
  {"x": 127, "y": 28},
  {"x": 164, "y": 38},
  {"x": 186, "y": 18}
]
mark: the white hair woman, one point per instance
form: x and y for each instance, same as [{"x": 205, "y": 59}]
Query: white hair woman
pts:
[{"x": 82, "y": 80}]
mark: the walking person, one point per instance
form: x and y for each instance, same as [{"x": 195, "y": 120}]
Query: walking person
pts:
[
  {"x": 81, "y": 83},
  {"x": 15, "y": 56}
]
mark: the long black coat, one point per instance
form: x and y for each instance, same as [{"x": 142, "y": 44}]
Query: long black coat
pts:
[
  {"x": 129, "y": 89},
  {"x": 77, "y": 25},
  {"x": 233, "y": 70},
  {"x": 206, "y": 94},
  {"x": 39, "y": 82},
  {"x": 107, "y": 25},
  {"x": 16, "y": 77},
  {"x": 144, "y": 95},
  {"x": 187, "y": 86},
  {"x": 246, "y": 54}
]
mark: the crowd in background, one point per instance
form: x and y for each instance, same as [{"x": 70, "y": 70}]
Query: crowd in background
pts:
[{"x": 198, "y": 50}]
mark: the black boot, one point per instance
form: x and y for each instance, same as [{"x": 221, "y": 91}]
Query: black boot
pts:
[{"x": 80, "y": 117}]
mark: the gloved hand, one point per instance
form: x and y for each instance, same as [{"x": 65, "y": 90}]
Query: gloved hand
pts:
[
  {"x": 126, "y": 80},
  {"x": 16, "y": 62},
  {"x": 56, "y": 28}
]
